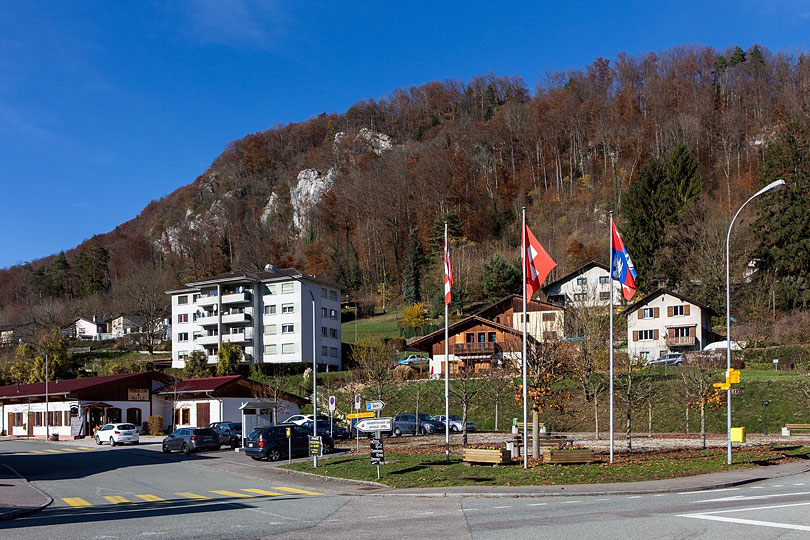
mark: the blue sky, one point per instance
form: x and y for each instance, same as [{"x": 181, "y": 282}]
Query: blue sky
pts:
[{"x": 105, "y": 106}]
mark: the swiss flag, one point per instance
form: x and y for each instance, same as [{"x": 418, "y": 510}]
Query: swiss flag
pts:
[{"x": 538, "y": 263}]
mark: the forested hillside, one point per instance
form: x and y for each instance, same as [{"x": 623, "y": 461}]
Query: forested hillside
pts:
[{"x": 673, "y": 142}]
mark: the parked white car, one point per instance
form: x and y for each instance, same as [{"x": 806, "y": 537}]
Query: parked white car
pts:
[
  {"x": 117, "y": 434},
  {"x": 299, "y": 419}
]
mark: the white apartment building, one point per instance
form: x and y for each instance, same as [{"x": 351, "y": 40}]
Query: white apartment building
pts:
[
  {"x": 665, "y": 322},
  {"x": 267, "y": 314},
  {"x": 587, "y": 286}
]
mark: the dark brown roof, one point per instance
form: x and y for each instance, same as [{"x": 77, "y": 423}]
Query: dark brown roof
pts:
[
  {"x": 203, "y": 384},
  {"x": 429, "y": 338},
  {"x": 512, "y": 297},
  {"x": 67, "y": 386}
]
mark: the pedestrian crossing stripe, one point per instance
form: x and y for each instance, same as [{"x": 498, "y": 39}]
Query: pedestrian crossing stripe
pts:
[
  {"x": 301, "y": 491},
  {"x": 117, "y": 499},
  {"x": 232, "y": 494},
  {"x": 265, "y": 492},
  {"x": 76, "y": 502},
  {"x": 151, "y": 498},
  {"x": 189, "y": 495}
]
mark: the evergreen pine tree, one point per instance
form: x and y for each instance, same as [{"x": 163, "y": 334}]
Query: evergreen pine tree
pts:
[
  {"x": 683, "y": 180},
  {"x": 196, "y": 366},
  {"x": 783, "y": 226},
  {"x": 737, "y": 57},
  {"x": 230, "y": 356},
  {"x": 500, "y": 279},
  {"x": 644, "y": 227},
  {"x": 412, "y": 272}
]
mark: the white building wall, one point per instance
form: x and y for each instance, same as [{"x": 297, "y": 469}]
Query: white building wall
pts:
[
  {"x": 584, "y": 289},
  {"x": 653, "y": 348},
  {"x": 188, "y": 328},
  {"x": 227, "y": 409}
]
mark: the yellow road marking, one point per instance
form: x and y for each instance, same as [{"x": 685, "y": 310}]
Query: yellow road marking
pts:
[
  {"x": 53, "y": 451},
  {"x": 231, "y": 493},
  {"x": 301, "y": 491},
  {"x": 265, "y": 492},
  {"x": 68, "y": 449},
  {"x": 37, "y": 452},
  {"x": 190, "y": 495},
  {"x": 76, "y": 502},
  {"x": 117, "y": 499},
  {"x": 151, "y": 498}
]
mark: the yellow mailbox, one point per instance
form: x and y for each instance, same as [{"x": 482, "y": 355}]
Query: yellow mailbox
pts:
[{"x": 738, "y": 434}]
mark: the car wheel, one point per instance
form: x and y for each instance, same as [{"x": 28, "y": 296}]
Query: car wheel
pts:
[
  {"x": 186, "y": 450},
  {"x": 112, "y": 441},
  {"x": 137, "y": 442},
  {"x": 274, "y": 454},
  {"x": 422, "y": 431},
  {"x": 256, "y": 458},
  {"x": 328, "y": 448},
  {"x": 166, "y": 449},
  {"x": 397, "y": 432},
  {"x": 454, "y": 429},
  {"x": 98, "y": 441},
  {"x": 234, "y": 444}
]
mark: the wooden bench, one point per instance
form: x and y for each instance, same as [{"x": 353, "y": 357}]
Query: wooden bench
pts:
[
  {"x": 540, "y": 425},
  {"x": 788, "y": 430}
]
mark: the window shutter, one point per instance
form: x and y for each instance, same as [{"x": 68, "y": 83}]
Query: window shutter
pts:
[
  {"x": 655, "y": 332},
  {"x": 669, "y": 311},
  {"x": 641, "y": 314},
  {"x": 656, "y": 313},
  {"x": 692, "y": 331},
  {"x": 635, "y": 335},
  {"x": 686, "y": 309}
]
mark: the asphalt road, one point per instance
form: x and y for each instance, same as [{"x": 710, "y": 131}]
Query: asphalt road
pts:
[{"x": 138, "y": 492}]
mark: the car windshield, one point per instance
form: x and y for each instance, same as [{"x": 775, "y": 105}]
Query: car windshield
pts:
[
  {"x": 204, "y": 431},
  {"x": 253, "y": 435},
  {"x": 454, "y": 417},
  {"x": 126, "y": 426},
  {"x": 424, "y": 416}
]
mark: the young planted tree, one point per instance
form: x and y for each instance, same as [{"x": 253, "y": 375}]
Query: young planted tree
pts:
[
  {"x": 465, "y": 386},
  {"x": 590, "y": 328},
  {"x": 698, "y": 377},
  {"x": 375, "y": 360},
  {"x": 633, "y": 385}
]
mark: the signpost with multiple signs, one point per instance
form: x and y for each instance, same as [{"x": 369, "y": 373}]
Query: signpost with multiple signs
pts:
[
  {"x": 377, "y": 452},
  {"x": 315, "y": 446},
  {"x": 370, "y": 425}
]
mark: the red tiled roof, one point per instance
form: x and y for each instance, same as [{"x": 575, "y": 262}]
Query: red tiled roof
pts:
[
  {"x": 64, "y": 386},
  {"x": 200, "y": 385}
]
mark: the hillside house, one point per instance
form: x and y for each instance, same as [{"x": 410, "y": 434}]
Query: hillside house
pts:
[{"x": 587, "y": 286}]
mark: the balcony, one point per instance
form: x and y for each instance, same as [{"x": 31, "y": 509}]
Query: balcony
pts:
[
  {"x": 236, "y": 318},
  {"x": 237, "y": 298},
  {"x": 683, "y": 341},
  {"x": 208, "y": 340},
  {"x": 208, "y": 300},
  {"x": 208, "y": 320},
  {"x": 479, "y": 348},
  {"x": 237, "y": 338}
]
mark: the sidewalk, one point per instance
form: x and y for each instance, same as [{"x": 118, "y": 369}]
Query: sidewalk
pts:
[{"x": 17, "y": 496}]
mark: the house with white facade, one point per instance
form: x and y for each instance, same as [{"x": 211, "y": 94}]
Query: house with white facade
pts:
[
  {"x": 267, "y": 314},
  {"x": 88, "y": 328},
  {"x": 665, "y": 322},
  {"x": 199, "y": 402},
  {"x": 587, "y": 286},
  {"x": 76, "y": 407},
  {"x": 121, "y": 325}
]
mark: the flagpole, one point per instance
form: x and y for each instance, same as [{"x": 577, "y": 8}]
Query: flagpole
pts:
[
  {"x": 610, "y": 370},
  {"x": 525, "y": 392},
  {"x": 446, "y": 360}
]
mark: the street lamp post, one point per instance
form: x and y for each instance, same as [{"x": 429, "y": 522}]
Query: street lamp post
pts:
[
  {"x": 765, "y": 403},
  {"x": 273, "y": 268},
  {"x": 47, "y": 414},
  {"x": 779, "y": 184}
]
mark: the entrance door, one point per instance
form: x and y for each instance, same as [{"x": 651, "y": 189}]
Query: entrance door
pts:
[
  {"x": 30, "y": 424},
  {"x": 203, "y": 414}
]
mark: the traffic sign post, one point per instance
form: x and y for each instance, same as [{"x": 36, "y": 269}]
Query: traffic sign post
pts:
[
  {"x": 357, "y": 408},
  {"x": 331, "y": 413},
  {"x": 353, "y": 416},
  {"x": 375, "y": 405},
  {"x": 289, "y": 446},
  {"x": 375, "y": 424},
  {"x": 377, "y": 453},
  {"x": 357, "y": 401}
]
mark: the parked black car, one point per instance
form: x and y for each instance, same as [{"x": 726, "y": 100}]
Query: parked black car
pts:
[
  {"x": 406, "y": 424},
  {"x": 338, "y": 432},
  {"x": 229, "y": 433},
  {"x": 191, "y": 439},
  {"x": 271, "y": 442}
]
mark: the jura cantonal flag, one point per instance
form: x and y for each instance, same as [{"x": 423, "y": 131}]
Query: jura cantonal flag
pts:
[
  {"x": 448, "y": 275},
  {"x": 621, "y": 267},
  {"x": 538, "y": 264}
]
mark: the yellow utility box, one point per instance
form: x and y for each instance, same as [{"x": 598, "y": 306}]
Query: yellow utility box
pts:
[{"x": 738, "y": 434}]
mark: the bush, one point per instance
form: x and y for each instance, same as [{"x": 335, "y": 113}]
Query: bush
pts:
[
  {"x": 154, "y": 425},
  {"x": 414, "y": 315}
]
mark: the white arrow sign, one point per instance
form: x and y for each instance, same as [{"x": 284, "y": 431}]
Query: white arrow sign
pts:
[
  {"x": 375, "y": 405},
  {"x": 375, "y": 424}
]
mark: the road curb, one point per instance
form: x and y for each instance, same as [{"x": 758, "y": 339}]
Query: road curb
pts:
[
  {"x": 11, "y": 514},
  {"x": 334, "y": 478}
]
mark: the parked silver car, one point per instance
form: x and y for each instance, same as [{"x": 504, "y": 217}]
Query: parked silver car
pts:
[
  {"x": 117, "y": 434},
  {"x": 456, "y": 422},
  {"x": 671, "y": 359},
  {"x": 191, "y": 439}
]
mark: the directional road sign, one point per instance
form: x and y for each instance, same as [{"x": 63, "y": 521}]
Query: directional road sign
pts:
[
  {"x": 375, "y": 405},
  {"x": 375, "y": 424},
  {"x": 352, "y": 416}
]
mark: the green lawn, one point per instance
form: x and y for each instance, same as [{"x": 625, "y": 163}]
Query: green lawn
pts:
[
  {"x": 376, "y": 327},
  {"x": 421, "y": 470}
]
